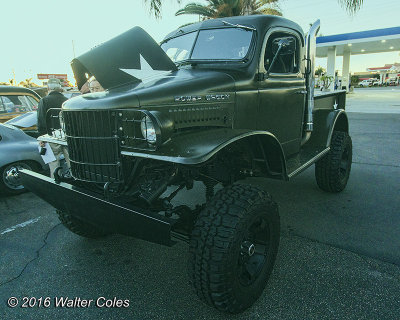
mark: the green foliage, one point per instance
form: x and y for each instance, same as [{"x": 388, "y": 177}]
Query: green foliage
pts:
[
  {"x": 319, "y": 71},
  {"x": 156, "y": 6},
  {"x": 352, "y": 6},
  {"x": 28, "y": 83},
  {"x": 326, "y": 81},
  {"x": 269, "y": 7},
  {"x": 355, "y": 80},
  {"x": 229, "y": 8}
]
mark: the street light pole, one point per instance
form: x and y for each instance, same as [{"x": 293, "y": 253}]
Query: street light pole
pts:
[{"x": 73, "y": 48}]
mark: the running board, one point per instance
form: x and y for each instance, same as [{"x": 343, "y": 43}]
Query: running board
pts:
[{"x": 303, "y": 160}]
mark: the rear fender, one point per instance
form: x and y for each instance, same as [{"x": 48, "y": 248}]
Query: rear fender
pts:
[{"x": 325, "y": 122}]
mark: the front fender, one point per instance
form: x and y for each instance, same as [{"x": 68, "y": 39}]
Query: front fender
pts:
[{"x": 196, "y": 147}]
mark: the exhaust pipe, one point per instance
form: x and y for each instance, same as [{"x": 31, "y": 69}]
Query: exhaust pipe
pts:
[{"x": 311, "y": 47}]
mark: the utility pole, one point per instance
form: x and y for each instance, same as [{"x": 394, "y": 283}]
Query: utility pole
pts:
[{"x": 73, "y": 48}]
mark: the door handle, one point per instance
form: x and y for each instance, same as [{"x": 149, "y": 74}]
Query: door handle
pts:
[{"x": 301, "y": 92}]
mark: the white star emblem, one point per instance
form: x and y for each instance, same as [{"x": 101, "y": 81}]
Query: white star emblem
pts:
[
  {"x": 335, "y": 105},
  {"x": 146, "y": 72}
]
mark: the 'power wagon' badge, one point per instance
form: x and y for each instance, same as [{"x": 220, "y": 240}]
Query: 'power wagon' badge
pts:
[
  {"x": 187, "y": 98},
  {"x": 208, "y": 97}
]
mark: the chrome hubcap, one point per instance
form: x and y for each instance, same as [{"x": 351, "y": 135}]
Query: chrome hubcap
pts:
[{"x": 11, "y": 176}]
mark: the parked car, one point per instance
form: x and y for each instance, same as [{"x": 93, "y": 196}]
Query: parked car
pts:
[
  {"x": 15, "y": 101},
  {"x": 26, "y": 122},
  {"x": 368, "y": 83},
  {"x": 17, "y": 150}
]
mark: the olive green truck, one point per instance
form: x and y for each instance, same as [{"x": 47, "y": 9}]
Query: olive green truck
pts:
[{"x": 215, "y": 103}]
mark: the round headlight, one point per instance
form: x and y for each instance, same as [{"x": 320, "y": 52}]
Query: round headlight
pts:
[{"x": 148, "y": 130}]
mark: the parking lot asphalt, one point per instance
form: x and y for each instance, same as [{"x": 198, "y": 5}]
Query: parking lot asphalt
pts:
[
  {"x": 339, "y": 256},
  {"x": 374, "y": 100}
]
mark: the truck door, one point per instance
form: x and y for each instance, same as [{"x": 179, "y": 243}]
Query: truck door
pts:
[{"x": 282, "y": 90}]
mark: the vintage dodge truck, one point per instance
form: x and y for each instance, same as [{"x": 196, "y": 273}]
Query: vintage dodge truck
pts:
[{"x": 215, "y": 103}]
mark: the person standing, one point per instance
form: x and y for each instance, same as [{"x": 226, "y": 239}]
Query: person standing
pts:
[
  {"x": 54, "y": 99},
  {"x": 95, "y": 86}
]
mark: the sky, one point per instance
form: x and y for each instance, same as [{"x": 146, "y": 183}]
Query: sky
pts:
[{"x": 38, "y": 36}]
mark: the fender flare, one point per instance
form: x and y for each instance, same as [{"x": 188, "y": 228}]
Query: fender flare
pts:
[
  {"x": 326, "y": 121},
  {"x": 197, "y": 147},
  {"x": 340, "y": 123}
]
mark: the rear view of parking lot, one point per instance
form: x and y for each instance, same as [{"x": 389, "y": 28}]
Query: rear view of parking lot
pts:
[{"x": 339, "y": 256}]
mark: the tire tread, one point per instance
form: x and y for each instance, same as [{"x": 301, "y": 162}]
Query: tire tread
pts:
[{"x": 211, "y": 239}]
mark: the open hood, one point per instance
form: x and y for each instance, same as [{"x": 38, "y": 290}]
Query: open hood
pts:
[{"x": 130, "y": 57}]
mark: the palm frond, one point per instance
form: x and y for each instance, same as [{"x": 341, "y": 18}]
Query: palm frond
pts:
[
  {"x": 271, "y": 11},
  {"x": 156, "y": 6},
  {"x": 195, "y": 8},
  {"x": 352, "y": 6}
]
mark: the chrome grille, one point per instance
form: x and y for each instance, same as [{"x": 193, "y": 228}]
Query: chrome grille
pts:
[{"x": 93, "y": 145}]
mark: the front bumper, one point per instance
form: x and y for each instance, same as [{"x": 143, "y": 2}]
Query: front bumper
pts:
[{"x": 110, "y": 215}]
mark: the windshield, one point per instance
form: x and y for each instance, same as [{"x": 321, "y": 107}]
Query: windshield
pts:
[{"x": 211, "y": 44}]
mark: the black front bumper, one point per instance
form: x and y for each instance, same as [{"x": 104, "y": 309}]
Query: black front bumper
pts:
[{"x": 110, "y": 215}]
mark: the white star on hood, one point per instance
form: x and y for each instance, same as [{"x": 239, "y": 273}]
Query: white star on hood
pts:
[{"x": 146, "y": 72}]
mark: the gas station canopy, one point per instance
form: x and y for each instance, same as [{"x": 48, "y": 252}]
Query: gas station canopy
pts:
[
  {"x": 347, "y": 44},
  {"x": 363, "y": 42}
]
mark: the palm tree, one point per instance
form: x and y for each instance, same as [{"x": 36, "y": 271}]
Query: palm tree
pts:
[
  {"x": 319, "y": 71},
  {"x": 261, "y": 7},
  {"x": 28, "y": 83},
  {"x": 229, "y": 8},
  {"x": 352, "y": 6},
  {"x": 214, "y": 9},
  {"x": 156, "y": 6}
]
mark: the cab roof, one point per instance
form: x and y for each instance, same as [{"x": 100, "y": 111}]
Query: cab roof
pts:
[
  {"x": 15, "y": 89},
  {"x": 259, "y": 22}
]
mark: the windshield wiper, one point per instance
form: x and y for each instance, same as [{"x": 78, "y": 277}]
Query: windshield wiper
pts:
[
  {"x": 186, "y": 62},
  {"x": 238, "y": 26}
]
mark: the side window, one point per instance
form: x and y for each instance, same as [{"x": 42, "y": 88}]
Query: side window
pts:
[
  {"x": 287, "y": 61},
  {"x": 2, "y": 106}
]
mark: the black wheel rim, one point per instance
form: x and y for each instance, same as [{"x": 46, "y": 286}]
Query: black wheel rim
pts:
[{"x": 254, "y": 250}]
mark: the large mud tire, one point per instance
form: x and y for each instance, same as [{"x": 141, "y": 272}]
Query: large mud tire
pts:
[
  {"x": 333, "y": 170},
  {"x": 233, "y": 247}
]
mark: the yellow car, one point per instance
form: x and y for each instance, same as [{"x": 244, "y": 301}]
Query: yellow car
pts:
[{"x": 15, "y": 101}]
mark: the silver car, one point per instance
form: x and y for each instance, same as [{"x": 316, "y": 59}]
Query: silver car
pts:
[{"x": 17, "y": 150}]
